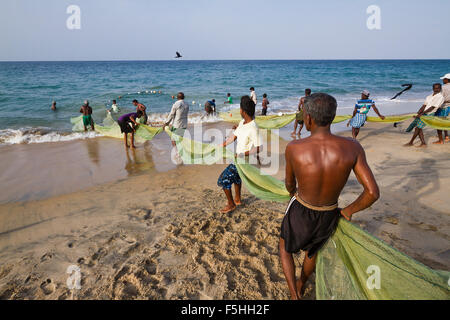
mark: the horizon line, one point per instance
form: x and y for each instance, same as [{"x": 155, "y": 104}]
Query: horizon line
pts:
[{"x": 167, "y": 60}]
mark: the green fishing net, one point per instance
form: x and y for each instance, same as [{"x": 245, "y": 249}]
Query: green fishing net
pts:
[
  {"x": 279, "y": 121},
  {"x": 110, "y": 128},
  {"x": 353, "y": 264}
]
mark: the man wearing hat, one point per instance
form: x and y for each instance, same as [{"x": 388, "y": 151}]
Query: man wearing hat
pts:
[
  {"x": 444, "y": 110},
  {"x": 86, "y": 110},
  {"x": 362, "y": 108}
]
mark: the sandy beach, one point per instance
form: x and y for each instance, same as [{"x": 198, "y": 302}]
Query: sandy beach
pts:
[{"x": 139, "y": 227}]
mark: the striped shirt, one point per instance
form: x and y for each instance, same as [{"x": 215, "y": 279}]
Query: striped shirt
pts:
[{"x": 363, "y": 106}]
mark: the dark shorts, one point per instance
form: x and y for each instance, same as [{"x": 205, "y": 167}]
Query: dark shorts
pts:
[
  {"x": 144, "y": 118},
  {"x": 229, "y": 176},
  {"x": 264, "y": 111},
  {"x": 125, "y": 126},
  {"x": 306, "y": 229}
]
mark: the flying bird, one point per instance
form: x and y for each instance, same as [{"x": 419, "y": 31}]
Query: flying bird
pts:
[
  {"x": 407, "y": 85},
  {"x": 178, "y": 55}
]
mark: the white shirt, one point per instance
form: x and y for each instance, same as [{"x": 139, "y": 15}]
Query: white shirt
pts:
[
  {"x": 253, "y": 97},
  {"x": 179, "y": 115},
  {"x": 115, "y": 108},
  {"x": 434, "y": 101},
  {"x": 247, "y": 136},
  {"x": 446, "y": 93}
]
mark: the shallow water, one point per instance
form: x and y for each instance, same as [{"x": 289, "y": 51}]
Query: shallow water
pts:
[{"x": 27, "y": 88}]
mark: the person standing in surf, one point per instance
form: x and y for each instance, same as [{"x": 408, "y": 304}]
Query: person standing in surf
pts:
[
  {"x": 317, "y": 169},
  {"x": 253, "y": 95},
  {"x": 140, "y": 107},
  {"x": 229, "y": 99},
  {"x": 265, "y": 103},
  {"x": 86, "y": 110},
  {"x": 362, "y": 108},
  {"x": 299, "y": 115}
]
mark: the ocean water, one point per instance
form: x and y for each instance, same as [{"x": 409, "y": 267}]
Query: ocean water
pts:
[{"x": 28, "y": 88}]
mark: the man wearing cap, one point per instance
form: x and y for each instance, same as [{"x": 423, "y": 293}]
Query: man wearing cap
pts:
[
  {"x": 431, "y": 104},
  {"x": 444, "y": 110},
  {"x": 86, "y": 110},
  {"x": 362, "y": 108}
]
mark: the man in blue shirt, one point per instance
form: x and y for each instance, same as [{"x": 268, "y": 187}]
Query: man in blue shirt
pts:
[
  {"x": 210, "y": 105},
  {"x": 362, "y": 108}
]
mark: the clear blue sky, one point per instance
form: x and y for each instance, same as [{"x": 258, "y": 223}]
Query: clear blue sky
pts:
[{"x": 224, "y": 29}]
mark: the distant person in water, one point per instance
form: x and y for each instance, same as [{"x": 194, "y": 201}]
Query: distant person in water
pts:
[
  {"x": 362, "y": 108},
  {"x": 210, "y": 105},
  {"x": 248, "y": 142},
  {"x": 265, "y": 103},
  {"x": 140, "y": 107},
  {"x": 317, "y": 169},
  {"x": 128, "y": 124},
  {"x": 114, "y": 107},
  {"x": 299, "y": 117},
  {"x": 444, "y": 110},
  {"x": 86, "y": 110},
  {"x": 253, "y": 95},
  {"x": 53, "y": 107},
  {"x": 432, "y": 103},
  {"x": 229, "y": 99}
]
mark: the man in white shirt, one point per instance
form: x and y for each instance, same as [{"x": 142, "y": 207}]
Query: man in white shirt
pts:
[
  {"x": 248, "y": 142},
  {"x": 178, "y": 115},
  {"x": 444, "y": 110},
  {"x": 431, "y": 104},
  {"x": 253, "y": 95}
]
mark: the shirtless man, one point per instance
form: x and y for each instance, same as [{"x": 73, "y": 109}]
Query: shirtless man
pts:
[
  {"x": 140, "y": 107},
  {"x": 317, "y": 169},
  {"x": 86, "y": 110},
  {"x": 299, "y": 118}
]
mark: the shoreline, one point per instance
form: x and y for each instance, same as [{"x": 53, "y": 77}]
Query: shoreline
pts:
[{"x": 161, "y": 236}]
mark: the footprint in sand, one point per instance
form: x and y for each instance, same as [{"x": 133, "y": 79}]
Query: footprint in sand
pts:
[
  {"x": 46, "y": 256},
  {"x": 48, "y": 287},
  {"x": 423, "y": 226}
]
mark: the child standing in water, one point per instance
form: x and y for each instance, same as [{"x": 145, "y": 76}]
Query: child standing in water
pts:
[{"x": 248, "y": 142}]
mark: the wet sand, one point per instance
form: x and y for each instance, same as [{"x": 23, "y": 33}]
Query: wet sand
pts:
[{"x": 158, "y": 234}]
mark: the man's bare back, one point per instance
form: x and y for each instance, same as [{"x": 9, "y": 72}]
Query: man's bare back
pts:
[
  {"x": 317, "y": 169},
  {"x": 321, "y": 165},
  {"x": 86, "y": 110}
]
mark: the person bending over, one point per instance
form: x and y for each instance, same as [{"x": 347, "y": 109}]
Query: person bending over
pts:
[
  {"x": 432, "y": 103},
  {"x": 128, "y": 124}
]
